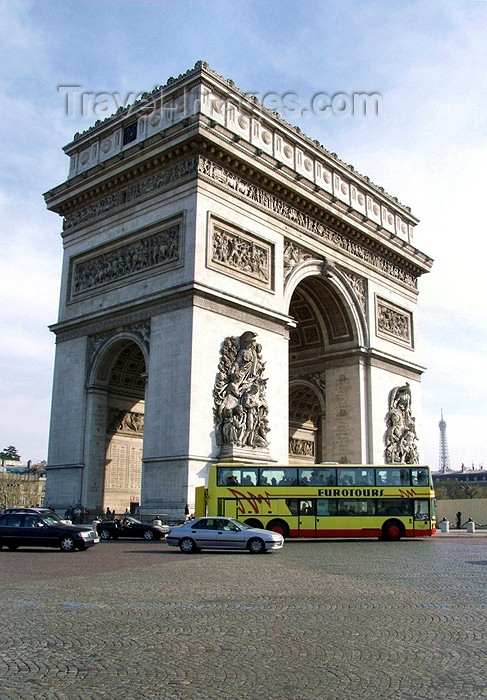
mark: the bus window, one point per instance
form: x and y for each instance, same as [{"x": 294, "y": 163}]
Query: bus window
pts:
[
  {"x": 355, "y": 477},
  {"x": 421, "y": 509},
  {"x": 293, "y": 505},
  {"x": 323, "y": 477},
  {"x": 419, "y": 477},
  {"x": 388, "y": 477},
  {"x": 306, "y": 507},
  {"x": 405, "y": 476},
  {"x": 228, "y": 477},
  {"x": 371, "y": 508},
  {"x": 352, "y": 506},
  {"x": 326, "y": 506},
  {"x": 305, "y": 476},
  {"x": 249, "y": 477},
  {"x": 285, "y": 476},
  {"x": 394, "y": 506}
]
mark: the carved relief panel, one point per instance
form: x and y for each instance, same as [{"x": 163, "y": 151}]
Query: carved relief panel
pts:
[
  {"x": 160, "y": 247},
  {"x": 240, "y": 254},
  {"x": 393, "y": 323}
]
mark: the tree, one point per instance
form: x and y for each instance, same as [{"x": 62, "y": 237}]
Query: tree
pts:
[{"x": 11, "y": 453}]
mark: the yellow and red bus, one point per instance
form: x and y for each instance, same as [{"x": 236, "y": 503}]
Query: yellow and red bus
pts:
[{"x": 324, "y": 500}]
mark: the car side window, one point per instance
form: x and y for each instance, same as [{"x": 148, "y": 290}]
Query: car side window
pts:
[
  {"x": 206, "y": 524},
  {"x": 15, "y": 520}
]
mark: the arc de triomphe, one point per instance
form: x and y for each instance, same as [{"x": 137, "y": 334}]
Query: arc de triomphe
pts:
[{"x": 230, "y": 290}]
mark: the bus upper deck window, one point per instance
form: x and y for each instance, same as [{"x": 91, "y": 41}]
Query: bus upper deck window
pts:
[{"x": 420, "y": 477}]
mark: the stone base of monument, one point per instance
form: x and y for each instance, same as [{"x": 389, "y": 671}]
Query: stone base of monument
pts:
[{"x": 235, "y": 453}]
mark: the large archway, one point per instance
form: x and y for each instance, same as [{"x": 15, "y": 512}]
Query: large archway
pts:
[
  {"x": 325, "y": 332},
  {"x": 120, "y": 380}
]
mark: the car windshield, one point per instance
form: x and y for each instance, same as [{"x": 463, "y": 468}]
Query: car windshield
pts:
[
  {"x": 51, "y": 518},
  {"x": 242, "y": 526}
]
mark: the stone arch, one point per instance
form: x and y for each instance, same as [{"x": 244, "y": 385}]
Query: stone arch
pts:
[
  {"x": 306, "y": 413},
  {"x": 105, "y": 349},
  {"x": 335, "y": 295},
  {"x": 325, "y": 350},
  {"x": 116, "y": 404}
]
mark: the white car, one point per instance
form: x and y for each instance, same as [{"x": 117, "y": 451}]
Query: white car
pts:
[{"x": 222, "y": 533}]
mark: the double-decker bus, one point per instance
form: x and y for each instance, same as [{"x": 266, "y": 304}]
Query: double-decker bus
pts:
[{"x": 324, "y": 500}]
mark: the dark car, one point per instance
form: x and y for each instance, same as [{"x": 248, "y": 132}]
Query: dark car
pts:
[
  {"x": 34, "y": 529},
  {"x": 40, "y": 511},
  {"x": 130, "y": 527}
]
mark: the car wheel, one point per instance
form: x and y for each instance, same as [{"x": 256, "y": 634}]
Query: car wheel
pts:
[
  {"x": 187, "y": 545},
  {"x": 105, "y": 534},
  {"x": 67, "y": 544},
  {"x": 13, "y": 547},
  {"x": 148, "y": 535},
  {"x": 256, "y": 546}
]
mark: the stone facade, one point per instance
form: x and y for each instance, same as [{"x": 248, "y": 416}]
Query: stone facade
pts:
[{"x": 193, "y": 220}]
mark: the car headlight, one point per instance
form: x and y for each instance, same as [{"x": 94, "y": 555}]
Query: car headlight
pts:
[{"x": 85, "y": 534}]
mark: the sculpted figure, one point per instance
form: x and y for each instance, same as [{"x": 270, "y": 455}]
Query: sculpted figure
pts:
[
  {"x": 240, "y": 404},
  {"x": 400, "y": 437}
]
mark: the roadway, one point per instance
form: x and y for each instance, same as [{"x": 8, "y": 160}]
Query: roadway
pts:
[{"x": 318, "y": 620}]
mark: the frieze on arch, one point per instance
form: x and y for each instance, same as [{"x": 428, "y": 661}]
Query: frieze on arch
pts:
[
  {"x": 278, "y": 206},
  {"x": 158, "y": 249},
  {"x": 125, "y": 422},
  {"x": 293, "y": 255},
  {"x": 159, "y": 182},
  {"x": 359, "y": 286},
  {"x": 301, "y": 448},
  {"x": 394, "y": 323},
  {"x": 235, "y": 252},
  {"x": 200, "y": 165}
]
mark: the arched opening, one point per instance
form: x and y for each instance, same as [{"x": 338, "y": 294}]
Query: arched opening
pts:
[
  {"x": 125, "y": 377},
  {"x": 324, "y": 332},
  {"x": 305, "y": 418}
]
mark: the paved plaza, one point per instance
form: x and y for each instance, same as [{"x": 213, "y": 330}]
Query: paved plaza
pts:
[{"x": 134, "y": 620}]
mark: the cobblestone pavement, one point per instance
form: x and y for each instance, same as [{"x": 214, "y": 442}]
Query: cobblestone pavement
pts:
[{"x": 319, "y": 620}]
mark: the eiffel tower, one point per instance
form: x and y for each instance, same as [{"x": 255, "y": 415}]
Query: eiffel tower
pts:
[{"x": 444, "y": 460}]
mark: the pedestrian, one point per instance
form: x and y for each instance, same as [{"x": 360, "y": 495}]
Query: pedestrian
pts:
[{"x": 459, "y": 520}]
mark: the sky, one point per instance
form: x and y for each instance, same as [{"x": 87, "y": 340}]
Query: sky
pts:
[{"x": 426, "y": 59}]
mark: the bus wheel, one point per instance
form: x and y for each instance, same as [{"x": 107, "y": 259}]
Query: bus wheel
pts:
[
  {"x": 279, "y": 526},
  {"x": 392, "y": 530},
  {"x": 253, "y": 523}
]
